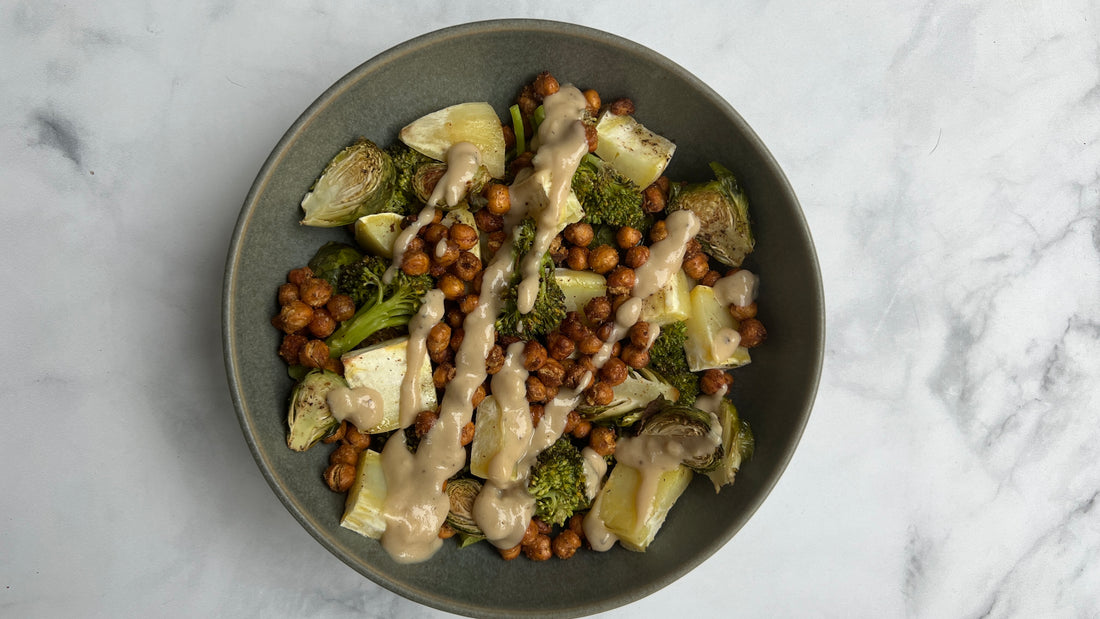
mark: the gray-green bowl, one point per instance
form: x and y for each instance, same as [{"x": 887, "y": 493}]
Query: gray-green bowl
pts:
[{"x": 488, "y": 61}]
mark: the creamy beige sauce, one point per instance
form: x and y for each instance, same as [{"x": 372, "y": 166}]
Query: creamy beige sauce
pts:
[
  {"x": 653, "y": 455},
  {"x": 666, "y": 255},
  {"x": 361, "y": 406},
  {"x": 401, "y": 243},
  {"x": 595, "y": 467},
  {"x": 725, "y": 343},
  {"x": 738, "y": 288},
  {"x": 509, "y": 389},
  {"x": 595, "y": 531},
  {"x": 463, "y": 161},
  {"x": 429, "y": 314},
  {"x": 709, "y": 403}
]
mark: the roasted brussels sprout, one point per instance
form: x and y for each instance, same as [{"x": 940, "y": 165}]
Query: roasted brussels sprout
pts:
[
  {"x": 328, "y": 260},
  {"x": 462, "y": 492},
  {"x": 357, "y": 182},
  {"x": 723, "y": 212},
  {"x": 702, "y": 439},
  {"x": 737, "y": 443},
  {"x": 309, "y": 417}
]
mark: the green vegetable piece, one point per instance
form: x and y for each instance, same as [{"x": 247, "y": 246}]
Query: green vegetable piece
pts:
[
  {"x": 558, "y": 483},
  {"x": 332, "y": 257},
  {"x": 427, "y": 176},
  {"x": 462, "y": 492},
  {"x": 737, "y": 445},
  {"x": 550, "y": 304},
  {"x": 667, "y": 358},
  {"x": 309, "y": 418},
  {"x": 676, "y": 420},
  {"x": 364, "y": 510},
  {"x": 517, "y": 128},
  {"x": 381, "y": 305},
  {"x": 631, "y": 397},
  {"x": 608, "y": 197},
  {"x": 637, "y": 524},
  {"x": 723, "y": 212},
  {"x": 358, "y": 181},
  {"x": 406, "y": 162}
]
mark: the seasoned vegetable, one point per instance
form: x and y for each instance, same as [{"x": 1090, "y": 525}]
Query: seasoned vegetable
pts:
[
  {"x": 549, "y": 309},
  {"x": 382, "y": 368},
  {"x": 558, "y": 483},
  {"x": 309, "y": 418},
  {"x": 737, "y": 445},
  {"x": 619, "y": 504},
  {"x": 476, "y": 123},
  {"x": 634, "y": 151},
  {"x": 713, "y": 340},
  {"x": 608, "y": 197},
  {"x": 358, "y": 181},
  {"x": 462, "y": 492},
  {"x": 332, "y": 257},
  {"x": 686, "y": 422},
  {"x": 381, "y": 305},
  {"x": 364, "y": 511},
  {"x": 631, "y": 397},
  {"x": 667, "y": 358},
  {"x": 723, "y": 212}
]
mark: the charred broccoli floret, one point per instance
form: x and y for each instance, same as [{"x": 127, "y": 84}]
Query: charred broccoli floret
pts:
[
  {"x": 667, "y": 358},
  {"x": 381, "y": 305},
  {"x": 608, "y": 197},
  {"x": 406, "y": 162},
  {"x": 549, "y": 309},
  {"x": 558, "y": 483}
]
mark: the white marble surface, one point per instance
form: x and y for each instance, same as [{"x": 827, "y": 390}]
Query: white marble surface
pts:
[{"x": 946, "y": 155}]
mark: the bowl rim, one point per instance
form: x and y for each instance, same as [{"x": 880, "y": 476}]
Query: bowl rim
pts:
[{"x": 285, "y": 144}]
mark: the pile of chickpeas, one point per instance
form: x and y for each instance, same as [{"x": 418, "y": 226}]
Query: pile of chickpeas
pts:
[{"x": 310, "y": 312}]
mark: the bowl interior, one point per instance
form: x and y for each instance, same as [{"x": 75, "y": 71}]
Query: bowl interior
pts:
[{"x": 488, "y": 61}]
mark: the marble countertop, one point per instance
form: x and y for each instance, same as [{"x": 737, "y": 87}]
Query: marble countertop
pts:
[{"x": 946, "y": 155}]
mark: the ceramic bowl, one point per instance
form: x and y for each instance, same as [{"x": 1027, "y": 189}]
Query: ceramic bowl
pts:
[{"x": 489, "y": 61}]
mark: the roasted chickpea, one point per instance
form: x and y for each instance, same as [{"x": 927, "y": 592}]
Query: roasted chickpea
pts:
[
  {"x": 509, "y": 136},
  {"x": 534, "y": 355},
  {"x": 453, "y": 316},
  {"x": 566, "y": 544},
  {"x": 464, "y": 235},
  {"x": 663, "y": 184},
  {"x": 536, "y": 391},
  {"x": 322, "y": 325},
  {"x": 544, "y": 527},
  {"x": 711, "y": 278},
  {"x": 291, "y": 346},
  {"x": 590, "y": 345},
  {"x": 602, "y": 440},
  {"x": 339, "y": 477},
  {"x": 635, "y": 356},
  {"x": 622, "y": 107},
  {"x": 592, "y": 101},
  {"x": 545, "y": 84},
  {"x": 295, "y": 316},
  {"x": 510, "y": 553},
  {"x": 443, "y": 374},
  {"x": 287, "y": 293},
  {"x": 582, "y": 429},
  {"x": 693, "y": 248},
  {"x": 487, "y": 220},
  {"x": 337, "y": 434},
  {"x": 537, "y": 411},
  {"x": 424, "y": 422},
  {"x": 297, "y": 276},
  {"x": 341, "y": 307},
  {"x": 571, "y": 326},
  {"x": 628, "y": 237},
  {"x": 436, "y": 270},
  {"x": 599, "y": 394},
  {"x": 527, "y": 100},
  {"x": 616, "y": 349},
  {"x": 446, "y": 531},
  {"x": 598, "y": 309},
  {"x": 457, "y": 335},
  {"x": 314, "y": 354},
  {"x": 637, "y": 256},
  {"x": 592, "y": 137},
  {"x": 714, "y": 380},
  {"x": 539, "y": 550},
  {"x": 344, "y": 454},
  {"x": 658, "y": 232},
  {"x": 743, "y": 312},
  {"x": 439, "y": 339},
  {"x": 639, "y": 334},
  {"x": 415, "y": 263},
  {"x": 752, "y": 332},
  {"x": 614, "y": 372},
  {"x": 468, "y": 303},
  {"x": 617, "y": 301},
  {"x": 620, "y": 280},
  {"x": 603, "y": 258},
  {"x": 449, "y": 255},
  {"x": 558, "y": 252},
  {"x": 653, "y": 199},
  {"x": 605, "y": 330},
  {"x": 579, "y": 234},
  {"x": 334, "y": 365},
  {"x": 552, "y": 373},
  {"x": 434, "y": 233},
  {"x": 467, "y": 435},
  {"x": 479, "y": 394},
  {"x": 522, "y": 160},
  {"x": 697, "y": 266},
  {"x": 356, "y": 438},
  {"x": 452, "y": 287},
  {"x": 558, "y": 346},
  {"x": 415, "y": 244},
  {"x": 495, "y": 240},
  {"x": 576, "y": 525},
  {"x": 577, "y": 258},
  {"x": 571, "y": 421},
  {"x": 495, "y": 361},
  {"x": 530, "y": 533}
]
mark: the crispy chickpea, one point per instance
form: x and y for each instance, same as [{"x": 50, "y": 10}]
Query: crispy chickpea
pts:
[
  {"x": 337, "y": 434},
  {"x": 636, "y": 256},
  {"x": 454, "y": 317},
  {"x": 434, "y": 233},
  {"x": 603, "y": 258},
  {"x": 339, "y": 477},
  {"x": 510, "y": 553},
  {"x": 536, "y": 391},
  {"x": 571, "y": 326},
  {"x": 552, "y": 373},
  {"x": 592, "y": 101},
  {"x": 599, "y": 394},
  {"x": 487, "y": 220},
  {"x": 639, "y": 334},
  {"x": 424, "y": 422},
  {"x": 479, "y": 394},
  {"x": 495, "y": 240},
  {"x": 617, "y": 301},
  {"x": 439, "y": 337},
  {"x": 446, "y": 531},
  {"x": 590, "y": 345},
  {"x": 468, "y": 303},
  {"x": 653, "y": 199},
  {"x": 457, "y": 335},
  {"x": 592, "y": 137},
  {"x": 288, "y": 292},
  {"x": 344, "y": 454},
  {"x": 452, "y": 287},
  {"x": 297, "y": 276},
  {"x": 415, "y": 244},
  {"x": 295, "y": 316},
  {"x": 534, "y": 355},
  {"x": 334, "y": 365},
  {"x": 558, "y": 346},
  {"x": 598, "y": 309},
  {"x": 697, "y": 266},
  {"x": 622, "y": 107},
  {"x": 464, "y": 235},
  {"x": 573, "y": 373},
  {"x": 530, "y": 533},
  {"x": 714, "y": 380},
  {"x": 341, "y": 307},
  {"x": 628, "y": 237},
  {"x": 743, "y": 312},
  {"x": 614, "y": 372},
  {"x": 605, "y": 330},
  {"x": 635, "y": 356},
  {"x": 314, "y": 354},
  {"x": 315, "y": 292},
  {"x": 711, "y": 278},
  {"x": 602, "y": 440},
  {"x": 579, "y": 234},
  {"x": 558, "y": 253},
  {"x": 545, "y": 84},
  {"x": 443, "y": 374},
  {"x": 415, "y": 263},
  {"x": 522, "y": 160},
  {"x": 621, "y": 280},
  {"x": 616, "y": 349},
  {"x": 436, "y": 270},
  {"x": 577, "y": 258},
  {"x": 449, "y": 255},
  {"x": 752, "y": 332},
  {"x": 356, "y": 438},
  {"x": 291, "y": 346},
  {"x": 467, "y": 435},
  {"x": 539, "y": 550},
  {"x": 566, "y": 544},
  {"x": 693, "y": 248},
  {"x": 537, "y": 411},
  {"x": 322, "y": 325},
  {"x": 663, "y": 184},
  {"x": 571, "y": 421},
  {"x": 576, "y": 525},
  {"x": 582, "y": 429},
  {"x": 658, "y": 232},
  {"x": 495, "y": 361},
  {"x": 544, "y": 527}
]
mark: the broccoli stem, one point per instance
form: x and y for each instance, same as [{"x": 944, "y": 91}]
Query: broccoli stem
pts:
[
  {"x": 395, "y": 311},
  {"x": 517, "y": 127}
]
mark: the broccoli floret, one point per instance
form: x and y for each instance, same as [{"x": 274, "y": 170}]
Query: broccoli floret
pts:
[
  {"x": 667, "y": 358},
  {"x": 549, "y": 309},
  {"x": 406, "y": 161},
  {"x": 558, "y": 483},
  {"x": 381, "y": 305},
  {"x": 608, "y": 197}
]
